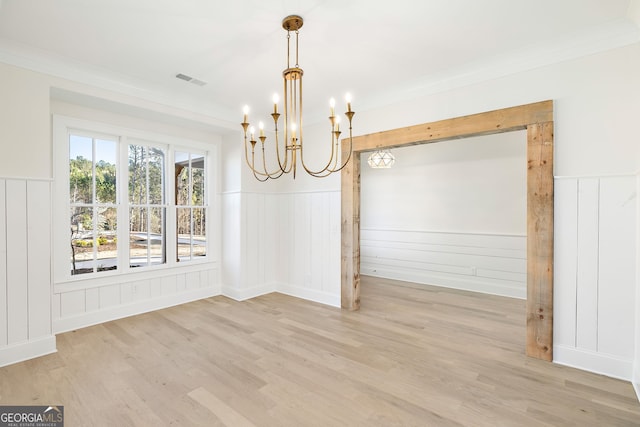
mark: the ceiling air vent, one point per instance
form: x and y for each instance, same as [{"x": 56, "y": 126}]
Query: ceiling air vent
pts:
[{"x": 190, "y": 79}]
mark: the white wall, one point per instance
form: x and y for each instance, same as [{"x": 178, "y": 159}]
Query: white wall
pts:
[
  {"x": 25, "y": 127},
  {"x": 475, "y": 185}
]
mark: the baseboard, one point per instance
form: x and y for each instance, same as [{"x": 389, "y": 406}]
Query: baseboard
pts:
[
  {"x": 283, "y": 288},
  {"x": 309, "y": 294},
  {"x": 28, "y": 350},
  {"x": 492, "y": 287},
  {"x": 112, "y": 313},
  {"x": 604, "y": 364},
  {"x": 636, "y": 387},
  {"x": 248, "y": 293}
]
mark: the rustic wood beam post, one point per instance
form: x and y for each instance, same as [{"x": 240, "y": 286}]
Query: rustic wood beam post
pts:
[
  {"x": 540, "y": 240},
  {"x": 350, "y": 251}
]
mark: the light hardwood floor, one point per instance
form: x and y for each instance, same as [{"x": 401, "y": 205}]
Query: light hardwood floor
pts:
[{"x": 412, "y": 356}]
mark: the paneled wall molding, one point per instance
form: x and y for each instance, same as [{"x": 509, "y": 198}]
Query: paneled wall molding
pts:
[
  {"x": 26, "y": 178},
  {"x": 27, "y": 350},
  {"x": 605, "y": 175},
  {"x": 278, "y": 193},
  {"x": 412, "y": 230}
]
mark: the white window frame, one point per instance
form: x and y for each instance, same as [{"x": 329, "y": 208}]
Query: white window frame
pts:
[{"x": 63, "y": 126}]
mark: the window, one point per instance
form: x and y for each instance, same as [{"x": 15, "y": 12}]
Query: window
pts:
[
  {"x": 111, "y": 178},
  {"x": 147, "y": 211},
  {"x": 190, "y": 202},
  {"x": 92, "y": 198}
]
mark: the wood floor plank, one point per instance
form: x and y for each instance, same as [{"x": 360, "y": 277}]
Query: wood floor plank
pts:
[{"x": 413, "y": 355}]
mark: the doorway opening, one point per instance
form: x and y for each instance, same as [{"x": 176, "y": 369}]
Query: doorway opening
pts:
[{"x": 537, "y": 120}]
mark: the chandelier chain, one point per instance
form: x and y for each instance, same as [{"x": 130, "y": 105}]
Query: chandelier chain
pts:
[
  {"x": 288, "y": 49},
  {"x": 297, "y": 44}
]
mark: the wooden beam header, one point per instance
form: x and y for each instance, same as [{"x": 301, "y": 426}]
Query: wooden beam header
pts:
[{"x": 491, "y": 122}]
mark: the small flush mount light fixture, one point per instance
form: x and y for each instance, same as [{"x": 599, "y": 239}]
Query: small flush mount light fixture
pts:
[
  {"x": 381, "y": 159},
  {"x": 288, "y": 147}
]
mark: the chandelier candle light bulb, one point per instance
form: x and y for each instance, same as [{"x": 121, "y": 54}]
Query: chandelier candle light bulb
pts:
[{"x": 289, "y": 149}]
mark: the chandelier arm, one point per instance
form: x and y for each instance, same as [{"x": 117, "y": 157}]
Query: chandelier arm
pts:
[
  {"x": 348, "y": 157},
  {"x": 251, "y": 165},
  {"x": 246, "y": 155},
  {"x": 324, "y": 169},
  {"x": 350, "y": 115},
  {"x": 272, "y": 175},
  {"x": 334, "y": 152},
  {"x": 282, "y": 167}
]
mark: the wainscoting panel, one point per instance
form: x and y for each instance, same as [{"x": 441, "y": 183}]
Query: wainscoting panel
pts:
[
  {"x": 39, "y": 258},
  {"x": 489, "y": 263},
  {"x": 565, "y": 268},
  {"x": 313, "y": 247},
  {"x": 25, "y": 269},
  {"x": 85, "y": 307},
  {"x": 17, "y": 262},
  {"x": 290, "y": 243},
  {"x": 595, "y": 273},
  {"x": 616, "y": 273},
  {"x": 587, "y": 244},
  {"x": 3, "y": 264}
]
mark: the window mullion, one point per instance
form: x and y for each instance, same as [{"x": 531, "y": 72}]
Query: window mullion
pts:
[
  {"x": 171, "y": 231},
  {"x": 123, "y": 204},
  {"x": 94, "y": 204}
]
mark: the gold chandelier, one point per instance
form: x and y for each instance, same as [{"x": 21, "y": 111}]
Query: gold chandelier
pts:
[{"x": 291, "y": 147}]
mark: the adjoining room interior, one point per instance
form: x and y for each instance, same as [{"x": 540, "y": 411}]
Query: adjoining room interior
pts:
[
  {"x": 451, "y": 213},
  {"x": 154, "y": 270}
]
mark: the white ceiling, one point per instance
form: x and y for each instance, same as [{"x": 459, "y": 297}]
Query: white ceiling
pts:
[{"x": 379, "y": 51}]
